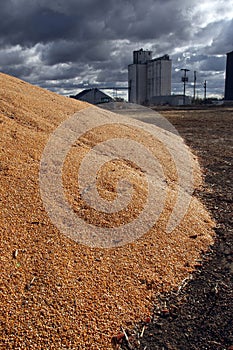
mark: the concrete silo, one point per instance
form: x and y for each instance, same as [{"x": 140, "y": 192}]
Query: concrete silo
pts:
[
  {"x": 229, "y": 77},
  {"x": 148, "y": 77}
]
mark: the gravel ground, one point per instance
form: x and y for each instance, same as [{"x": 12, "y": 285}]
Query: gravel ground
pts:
[{"x": 200, "y": 315}]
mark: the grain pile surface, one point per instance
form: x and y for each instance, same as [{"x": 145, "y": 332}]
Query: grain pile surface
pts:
[{"x": 55, "y": 292}]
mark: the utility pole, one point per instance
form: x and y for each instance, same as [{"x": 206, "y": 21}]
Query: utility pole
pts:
[
  {"x": 205, "y": 87},
  {"x": 194, "y": 86},
  {"x": 184, "y": 79}
]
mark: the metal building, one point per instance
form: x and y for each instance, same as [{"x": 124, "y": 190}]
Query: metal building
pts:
[
  {"x": 148, "y": 77},
  {"x": 229, "y": 77},
  {"x": 93, "y": 96}
]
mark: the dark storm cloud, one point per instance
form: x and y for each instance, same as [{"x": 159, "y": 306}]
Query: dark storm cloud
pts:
[
  {"x": 12, "y": 56},
  {"x": 68, "y": 43},
  {"x": 213, "y": 64},
  {"x": 28, "y": 29},
  {"x": 223, "y": 41},
  {"x": 42, "y": 22},
  {"x": 68, "y": 51}
]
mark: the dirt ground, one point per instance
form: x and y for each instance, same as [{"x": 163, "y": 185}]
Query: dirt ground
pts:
[{"x": 200, "y": 315}]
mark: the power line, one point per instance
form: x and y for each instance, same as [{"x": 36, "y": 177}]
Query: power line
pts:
[{"x": 184, "y": 79}]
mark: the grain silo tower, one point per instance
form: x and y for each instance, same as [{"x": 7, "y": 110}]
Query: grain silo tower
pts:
[
  {"x": 148, "y": 77},
  {"x": 137, "y": 76},
  {"x": 229, "y": 77},
  {"x": 141, "y": 56}
]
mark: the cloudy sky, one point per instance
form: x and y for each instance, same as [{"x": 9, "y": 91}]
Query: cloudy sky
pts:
[{"x": 67, "y": 45}]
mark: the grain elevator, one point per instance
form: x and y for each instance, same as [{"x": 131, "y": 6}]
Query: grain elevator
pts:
[
  {"x": 229, "y": 77},
  {"x": 148, "y": 77}
]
